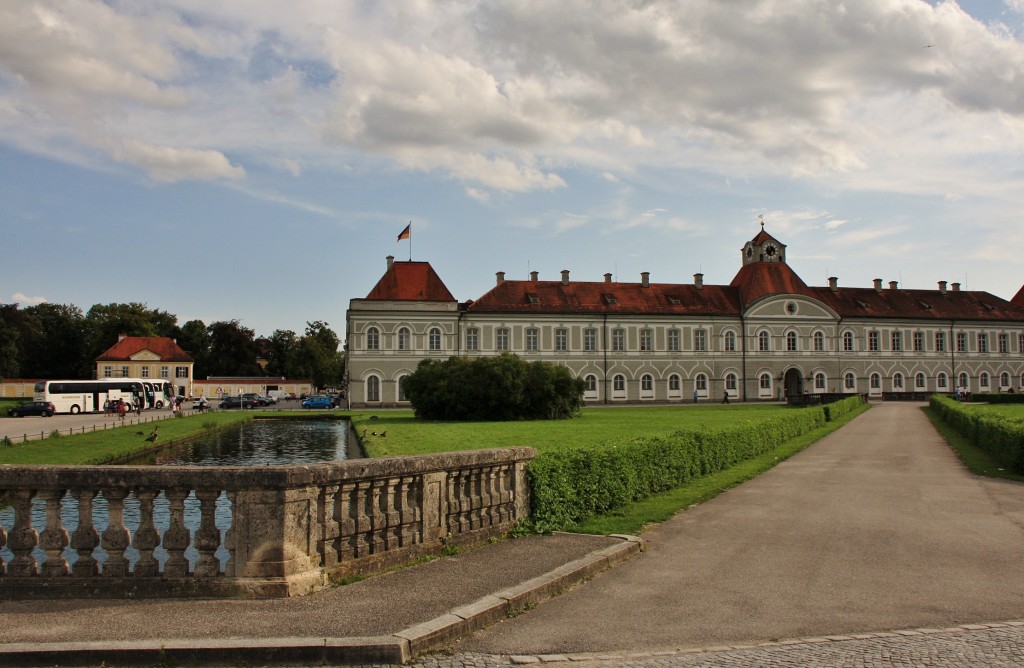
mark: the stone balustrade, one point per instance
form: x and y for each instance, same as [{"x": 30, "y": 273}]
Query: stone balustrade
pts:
[{"x": 141, "y": 531}]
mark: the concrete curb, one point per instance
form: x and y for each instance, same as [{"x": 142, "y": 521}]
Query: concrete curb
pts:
[{"x": 398, "y": 648}]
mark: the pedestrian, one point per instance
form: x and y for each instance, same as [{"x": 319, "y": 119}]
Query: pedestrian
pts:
[
  {"x": 138, "y": 406},
  {"x": 725, "y": 397},
  {"x": 121, "y": 409},
  {"x": 106, "y": 407},
  {"x": 695, "y": 395}
]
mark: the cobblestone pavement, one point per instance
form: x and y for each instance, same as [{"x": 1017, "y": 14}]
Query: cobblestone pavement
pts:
[{"x": 970, "y": 646}]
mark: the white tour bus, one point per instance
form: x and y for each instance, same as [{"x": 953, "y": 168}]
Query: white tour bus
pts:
[{"x": 88, "y": 396}]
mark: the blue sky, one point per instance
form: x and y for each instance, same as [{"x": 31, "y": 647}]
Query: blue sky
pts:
[{"x": 257, "y": 160}]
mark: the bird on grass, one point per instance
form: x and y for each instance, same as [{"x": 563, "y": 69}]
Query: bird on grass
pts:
[{"x": 152, "y": 437}]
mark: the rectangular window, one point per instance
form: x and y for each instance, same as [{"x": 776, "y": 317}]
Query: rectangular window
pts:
[
  {"x": 897, "y": 341},
  {"x": 646, "y": 340},
  {"x": 673, "y": 340},
  {"x": 501, "y": 340},
  {"x": 372, "y": 339},
  {"x": 181, "y": 372},
  {"x": 145, "y": 372},
  {"x": 873, "y": 341},
  {"x": 561, "y": 339},
  {"x": 940, "y": 342},
  {"x": 532, "y": 339},
  {"x": 918, "y": 341},
  {"x": 1004, "y": 343},
  {"x": 108, "y": 372},
  {"x": 961, "y": 342},
  {"x": 982, "y": 342},
  {"x": 590, "y": 340},
  {"x": 403, "y": 339},
  {"x": 165, "y": 372},
  {"x": 124, "y": 371},
  {"x": 472, "y": 339},
  {"x": 619, "y": 339},
  {"x": 730, "y": 342},
  {"x": 700, "y": 340},
  {"x": 848, "y": 342}
]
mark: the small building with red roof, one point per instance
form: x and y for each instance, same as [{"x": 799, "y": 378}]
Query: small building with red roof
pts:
[
  {"x": 156, "y": 357},
  {"x": 766, "y": 335}
]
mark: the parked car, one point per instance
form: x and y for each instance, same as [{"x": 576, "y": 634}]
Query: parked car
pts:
[
  {"x": 319, "y": 401},
  {"x": 256, "y": 399},
  {"x": 236, "y": 402},
  {"x": 42, "y": 408}
]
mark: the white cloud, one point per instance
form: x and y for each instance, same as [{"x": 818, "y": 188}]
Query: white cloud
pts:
[
  {"x": 164, "y": 163},
  {"x": 25, "y": 300}
]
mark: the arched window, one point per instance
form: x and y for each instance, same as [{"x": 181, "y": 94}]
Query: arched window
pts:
[
  {"x": 819, "y": 381},
  {"x": 373, "y": 339},
  {"x": 765, "y": 381},
  {"x": 1004, "y": 379},
  {"x": 401, "y": 388},
  {"x": 764, "y": 341},
  {"x": 591, "y": 381},
  {"x": 647, "y": 382},
  {"x": 919, "y": 381},
  {"x": 373, "y": 388},
  {"x": 700, "y": 383},
  {"x": 434, "y": 337},
  {"x": 983, "y": 380},
  {"x": 729, "y": 343},
  {"x": 965, "y": 381},
  {"x": 675, "y": 386},
  {"x": 875, "y": 381},
  {"x": 941, "y": 381},
  {"x": 791, "y": 341},
  {"x": 850, "y": 381},
  {"x": 848, "y": 342},
  {"x": 404, "y": 342},
  {"x": 619, "y": 383},
  {"x": 819, "y": 342},
  {"x": 897, "y": 382},
  {"x": 730, "y": 382}
]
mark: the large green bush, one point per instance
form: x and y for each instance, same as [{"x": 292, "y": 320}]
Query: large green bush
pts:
[
  {"x": 999, "y": 397},
  {"x": 498, "y": 388},
  {"x": 569, "y": 486},
  {"x": 999, "y": 436}
]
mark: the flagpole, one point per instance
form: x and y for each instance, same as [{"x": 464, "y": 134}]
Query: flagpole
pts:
[{"x": 410, "y": 241}]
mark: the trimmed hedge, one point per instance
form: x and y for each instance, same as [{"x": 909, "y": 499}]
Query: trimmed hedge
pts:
[
  {"x": 838, "y": 409},
  {"x": 999, "y": 397},
  {"x": 571, "y": 485},
  {"x": 1001, "y": 437}
]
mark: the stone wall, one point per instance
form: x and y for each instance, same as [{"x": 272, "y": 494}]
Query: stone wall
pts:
[{"x": 130, "y": 531}]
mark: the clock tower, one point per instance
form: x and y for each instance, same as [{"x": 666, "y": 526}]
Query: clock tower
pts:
[{"x": 763, "y": 248}]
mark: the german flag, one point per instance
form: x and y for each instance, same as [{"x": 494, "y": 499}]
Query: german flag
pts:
[{"x": 406, "y": 233}]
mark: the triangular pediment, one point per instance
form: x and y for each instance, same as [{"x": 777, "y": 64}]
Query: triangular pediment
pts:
[{"x": 145, "y": 356}]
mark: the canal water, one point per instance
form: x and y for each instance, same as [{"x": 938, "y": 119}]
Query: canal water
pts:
[{"x": 256, "y": 443}]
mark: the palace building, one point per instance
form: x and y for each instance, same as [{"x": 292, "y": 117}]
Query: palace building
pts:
[{"x": 766, "y": 335}]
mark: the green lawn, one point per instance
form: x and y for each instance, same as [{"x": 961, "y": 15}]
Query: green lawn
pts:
[{"x": 408, "y": 436}]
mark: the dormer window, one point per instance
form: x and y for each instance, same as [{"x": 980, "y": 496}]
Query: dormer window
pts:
[
  {"x": 860, "y": 303},
  {"x": 925, "y": 305},
  {"x": 610, "y": 299},
  {"x": 675, "y": 301},
  {"x": 534, "y": 299}
]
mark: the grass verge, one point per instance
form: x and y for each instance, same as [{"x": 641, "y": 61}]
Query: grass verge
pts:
[
  {"x": 636, "y": 516},
  {"x": 974, "y": 458}
]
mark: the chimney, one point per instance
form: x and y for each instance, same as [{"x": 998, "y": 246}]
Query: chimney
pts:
[
  {"x": 956, "y": 287},
  {"x": 878, "y": 285},
  {"x": 501, "y": 277},
  {"x": 645, "y": 279},
  {"x": 565, "y": 277},
  {"x": 698, "y": 281},
  {"x": 892, "y": 285},
  {"x": 607, "y": 278},
  {"x": 533, "y": 276},
  {"x": 833, "y": 284},
  {"x": 942, "y": 287},
  {"x": 391, "y": 261}
]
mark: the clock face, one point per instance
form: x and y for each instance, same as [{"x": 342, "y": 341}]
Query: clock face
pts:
[{"x": 769, "y": 250}]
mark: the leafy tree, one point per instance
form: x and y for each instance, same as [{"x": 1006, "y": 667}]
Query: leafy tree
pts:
[
  {"x": 107, "y": 321},
  {"x": 494, "y": 389},
  {"x": 316, "y": 356},
  {"x": 232, "y": 350},
  {"x": 10, "y": 354},
  {"x": 281, "y": 345},
  {"x": 195, "y": 340},
  {"x": 53, "y": 342}
]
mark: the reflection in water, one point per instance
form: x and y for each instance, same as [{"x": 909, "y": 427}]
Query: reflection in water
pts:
[{"x": 257, "y": 443}]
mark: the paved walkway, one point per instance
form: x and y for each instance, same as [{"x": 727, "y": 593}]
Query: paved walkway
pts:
[{"x": 876, "y": 528}]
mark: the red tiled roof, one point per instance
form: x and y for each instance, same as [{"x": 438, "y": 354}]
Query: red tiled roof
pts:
[
  {"x": 1018, "y": 298},
  {"x": 410, "y": 281},
  {"x": 762, "y": 237},
  {"x": 920, "y": 304},
  {"x": 605, "y": 297},
  {"x": 163, "y": 347},
  {"x": 760, "y": 279}
]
